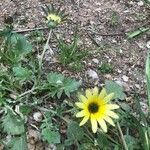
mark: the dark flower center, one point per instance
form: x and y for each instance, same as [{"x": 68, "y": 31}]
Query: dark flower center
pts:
[{"x": 93, "y": 108}]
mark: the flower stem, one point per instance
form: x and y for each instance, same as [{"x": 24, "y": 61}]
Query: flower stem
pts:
[
  {"x": 27, "y": 92},
  {"x": 54, "y": 112},
  {"x": 122, "y": 138},
  {"x": 44, "y": 50}
]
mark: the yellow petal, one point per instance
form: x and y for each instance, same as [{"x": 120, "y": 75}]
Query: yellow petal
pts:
[
  {"x": 85, "y": 119},
  {"x": 81, "y": 114},
  {"x": 102, "y": 93},
  {"x": 109, "y": 120},
  {"x": 102, "y": 124},
  {"x": 83, "y": 98},
  {"x": 80, "y": 105},
  {"x": 111, "y": 114},
  {"x": 88, "y": 93},
  {"x": 94, "y": 124},
  {"x": 95, "y": 91},
  {"x": 111, "y": 106},
  {"x": 108, "y": 98}
]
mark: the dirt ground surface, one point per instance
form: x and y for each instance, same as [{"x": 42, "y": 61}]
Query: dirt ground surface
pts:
[{"x": 100, "y": 34}]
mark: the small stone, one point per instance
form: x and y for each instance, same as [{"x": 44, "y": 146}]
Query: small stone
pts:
[
  {"x": 99, "y": 39},
  {"x": 33, "y": 136},
  {"x": 108, "y": 76},
  {"x": 92, "y": 74},
  {"x": 96, "y": 61},
  {"x": 51, "y": 147},
  {"x": 31, "y": 25},
  {"x": 148, "y": 44},
  {"x": 124, "y": 85},
  {"x": 119, "y": 71},
  {"x": 125, "y": 78},
  {"x": 141, "y": 45},
  {"x": 140, "y": 3},
  {"x": 114, "y": 41},
  {"x": 144, "y": 107},
  {"x": 137, "y": 86},
  {"x": 1, "y": 146},
  {"x": 37, "y": 116},
  {"x": 13, "y": 96},
  {"x": 31, "y": 147}
]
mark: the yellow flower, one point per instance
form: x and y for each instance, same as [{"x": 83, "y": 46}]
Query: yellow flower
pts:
[
  {"x": 54, "y": 18},
  {"x": 97, "y": 108}
]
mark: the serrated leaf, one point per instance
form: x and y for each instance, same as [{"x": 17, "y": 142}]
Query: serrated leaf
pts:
[
  {"x": 55, "y": 78},
  {"x": 22, "y": 46},
  {"x": 75, "y": 132},
  {"x": 52, "y": 137},
  {"x": 113, "y": 87},
  {"x": 59, "y": 84},
  {"x": 12, "y": 123},
  {"x": 22, "y": 73},
  {"x": 70, "y": 85},
  {"x": 18, "y": 143}
]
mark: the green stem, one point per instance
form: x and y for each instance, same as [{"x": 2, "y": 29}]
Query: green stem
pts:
[
  {"x": 108, "y": 137},
  {"x": 27, "y": 92},
  {"x": 122, "y": 138},
  {"x": 44, "y": 50},
  {"x": 54, "y": 112}
]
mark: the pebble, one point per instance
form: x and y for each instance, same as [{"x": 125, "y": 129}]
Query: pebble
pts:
[
  {"x": 144, "y": 107},
  {"x": 33, "y": 136},
  {"x": 148, "y": 44},
  {"x": 140, "y": 3},
  {"x": 99, "y": 39},
  {"x": 137, "y": 86},
  {"x": 37, "y": 116},
  {"x": 108, "y": 76},
  {"x": 123, "y": 84},
  {"x": 51, "y": 147},
  {"x": 1, "y": 146},
  {"x": 92, "y": 74},
  {"x": 125, "y": 78},
  {"x": 119, "y": 71},
  {"x": 96, "y": 61}
]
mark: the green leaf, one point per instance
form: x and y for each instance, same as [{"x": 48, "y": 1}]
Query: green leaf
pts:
[
  {"x": 87, "y": 146},
  {"x": 22, "y": 46},
  {"x": 52, "y": 137},
  {"x": 12, "y": 123},
  {"x": 55, "y": 78},
  {"x": 58, "y": 84},
  {"x": 113, "y": 87},
  {"x": 102, "y": 141},
  {"x": 147, "y": 1},
  {"x": 74, "y": 133},
  {"x": 25, "y": 109},
  {"x": 70, "y": 85},
  {"x": 18, "y": 143},
  {"x": 147, "y": 73},
  {"x": 137, "y": 32},
  {"x": 143, "y": 132},
  {"x": 22, "y": 73},
  {"x": 132, "y": 142}
]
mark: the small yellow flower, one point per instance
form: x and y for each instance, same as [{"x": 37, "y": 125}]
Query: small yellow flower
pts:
[
  {"x": 54, "y": 18},
  {"x": 96, "y": 107}
]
